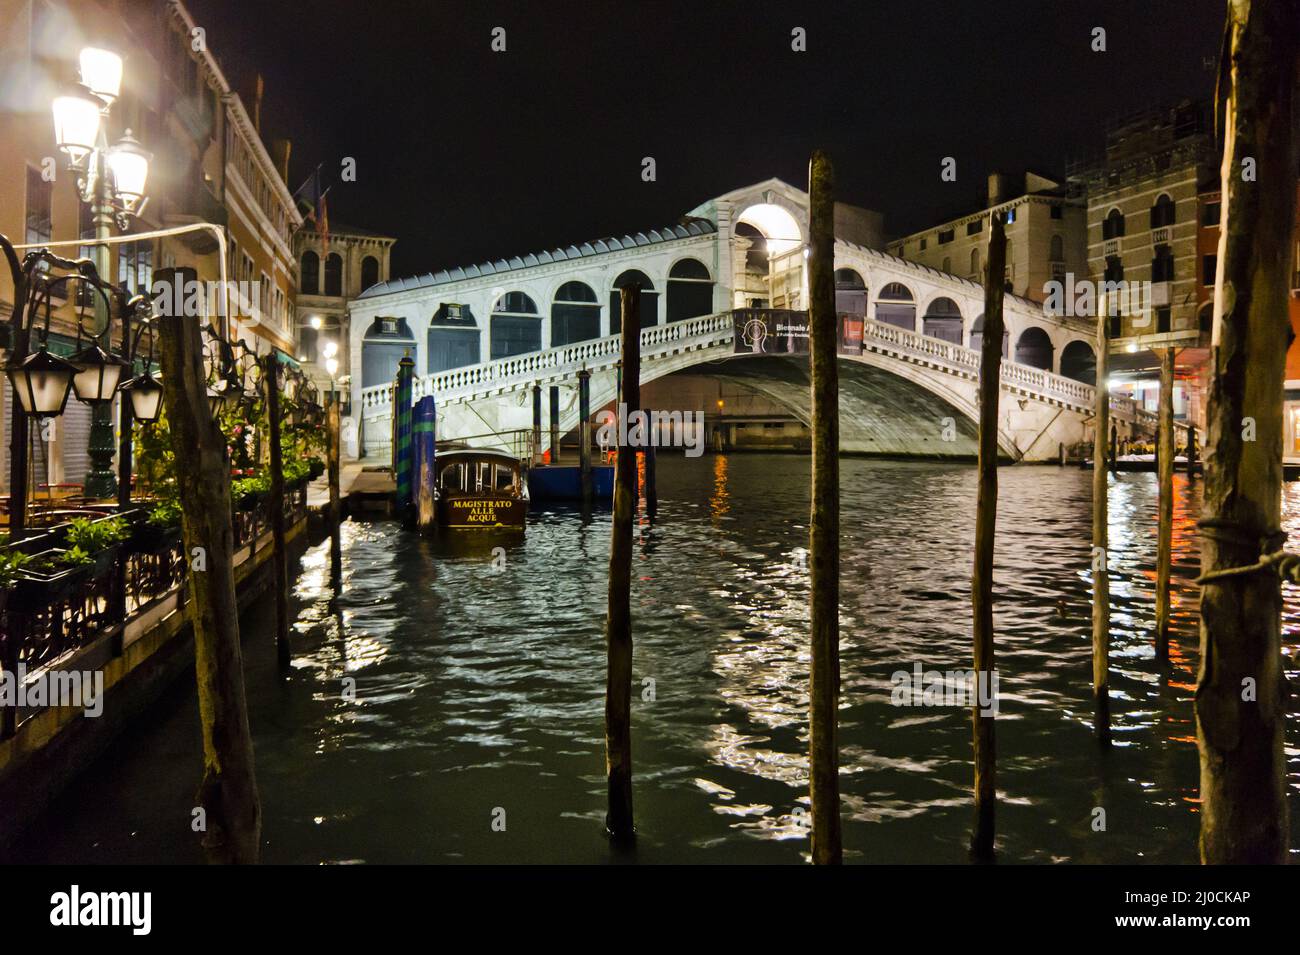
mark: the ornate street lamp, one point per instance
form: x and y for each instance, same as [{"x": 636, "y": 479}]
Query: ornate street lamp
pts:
[
  {"x": 128, "y": 165},
  {"x": 146, "y": 396},
  {"x": 42, "y": 382},
  {"x": 98, "y": 373},
  {"x": 143, "y": 391},
  {"x": 101, "y": 73},
  {"x": 77, "y": 116},
  {"x": 112, "y": 181}
]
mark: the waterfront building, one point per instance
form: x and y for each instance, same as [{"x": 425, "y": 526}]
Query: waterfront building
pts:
[
  {"x": 1046, "y": 230},
  {"x": 332, "y": 272},
  {"x": 209, "y": 164},
  {"x": 1144, "y": 209}
]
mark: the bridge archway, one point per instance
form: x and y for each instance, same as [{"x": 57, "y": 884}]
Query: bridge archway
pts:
[
  {"x": 977, "y": 337},
  {"x": 1079, "y": 361},
  {"x": 850, "y": 293},
  {"x": 649, "y": 300},
  {"x": 881, "y": 412},
  {"x": 896, "y": 305},
  {"x": 515, "y": 326},
  {"x": 384, "y": 344},
  {"x": 776, "y": 224},
  {"x": 943, "y": 320},
  {"x": 690, "y": 290},
  {"x": 575, "y": 314},
  {"x": 1034, "y": 347}
]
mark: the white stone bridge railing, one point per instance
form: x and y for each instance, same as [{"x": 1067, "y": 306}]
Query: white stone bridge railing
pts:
[
  {"x": 508, "y": 374},
  {"x": 714, "y": 331},
  {"x": 956, "y": 359}
]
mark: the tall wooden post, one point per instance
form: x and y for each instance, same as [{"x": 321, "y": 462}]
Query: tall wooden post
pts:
[
  {"x": 1241, "y": 689},
  {"x": 553, "y": 397},
  {"x": 824, "y": 529},
  {"x": 19, "y": 440},
  {"x": 279, "y": 556},
  {"x": 228, "y": 793},
  {"x": 618, "y": 624},
  {"x": 1100, "y": 518},
  {"x": 1165, "y": 507},
  {"x": 986, "y": 518},
  {"x": 332, "y": 472},
  {"x": 651, "y": 489},
  {"x": 584, "y": 434},
  {"x": 1191, "y": 450},
  {"x": 537, "y": 424}
]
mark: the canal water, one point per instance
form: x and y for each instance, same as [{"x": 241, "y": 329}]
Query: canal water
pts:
[{"x": 479, "y": 681}]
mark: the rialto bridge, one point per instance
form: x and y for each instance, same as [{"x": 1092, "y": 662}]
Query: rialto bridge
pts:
[{"x": 482, "y": 337}]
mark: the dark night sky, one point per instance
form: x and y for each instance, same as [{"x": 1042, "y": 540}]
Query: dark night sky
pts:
[{"x": 465, "y": 155}]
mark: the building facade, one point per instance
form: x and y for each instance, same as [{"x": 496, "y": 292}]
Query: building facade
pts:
[
  {"x": 209, "y": 164},
  {"x": 331, "y": 274},
  {"x": 1046, "y": 231}
]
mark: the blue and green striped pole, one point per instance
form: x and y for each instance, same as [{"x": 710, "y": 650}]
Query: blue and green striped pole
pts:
[
  {"x": 402, "y": 395},
  {"x": 424, "y": 441}
]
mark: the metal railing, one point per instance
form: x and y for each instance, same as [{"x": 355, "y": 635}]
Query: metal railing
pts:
[{"x": 45, "y": 616}]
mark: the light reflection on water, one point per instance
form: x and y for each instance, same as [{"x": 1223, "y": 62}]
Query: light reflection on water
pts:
[{"x": 477, "y": 689}]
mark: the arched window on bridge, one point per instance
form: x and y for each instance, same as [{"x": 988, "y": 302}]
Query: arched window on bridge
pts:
[
  {"x": 453, "y": 338},
  {"x": 649, "y": 300},
  {"x": 575, "y": 314},
  {"x": 850, "y": 293},
  {"x": 943, "y": 320},
  {"x": 896, "y": 306},
  {"x": 1079, "y": 361},
  {"x": 690, "y": 290},
  {"x": 1034, "y": 347},
  {"x": 975, "y": 264},
  {"x": 977, "y": 337},
  {"x": 334, "y": 274},
  {"x": 384, "y": 344},
  {"x": 309, "y": 280},
  {"x": 369, "y": 272},
  {"x": 516, "y": 327}
]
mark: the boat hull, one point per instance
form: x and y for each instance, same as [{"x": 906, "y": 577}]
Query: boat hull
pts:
[{"x": 564, "y": 483}]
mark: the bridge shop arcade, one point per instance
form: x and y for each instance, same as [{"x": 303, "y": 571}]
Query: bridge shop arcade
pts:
[{"x": 484, "y": 335}]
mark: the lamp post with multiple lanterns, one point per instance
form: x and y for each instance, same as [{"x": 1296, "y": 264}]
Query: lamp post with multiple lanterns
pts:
[
  {"x": 111, "y": 179},
  {"x": 42, "y": 382}
]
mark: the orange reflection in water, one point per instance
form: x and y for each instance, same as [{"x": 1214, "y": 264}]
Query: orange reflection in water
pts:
[{"x": 720, "y": 502}]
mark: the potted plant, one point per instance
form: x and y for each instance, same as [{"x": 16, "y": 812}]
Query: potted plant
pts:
[
  {"x": 46, "y": 578},
  {"x": 158, "y": 529},
  {"x": 95, "y": 543}
]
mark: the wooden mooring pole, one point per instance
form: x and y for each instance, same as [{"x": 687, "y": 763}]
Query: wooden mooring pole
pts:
[
  {"x": 1241, "y": 688},
  {"x": 1100, "y": 534},
  {"x": 824, "y": 529},
  {"x": 537, "y": 424},
  {"x": 228, "y": 792},
  {"x": 553, "y": 400},
  {"x": 1165, "y": 505},
  {"x": 335, "y": 514},
  {"x": 618, "y": 623},
  {"x": 651, "y": 490},
  {"x": 279, "y": 556},
  {"x": 986, "y": 518},
  {"x": 584, "y": 435}
]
